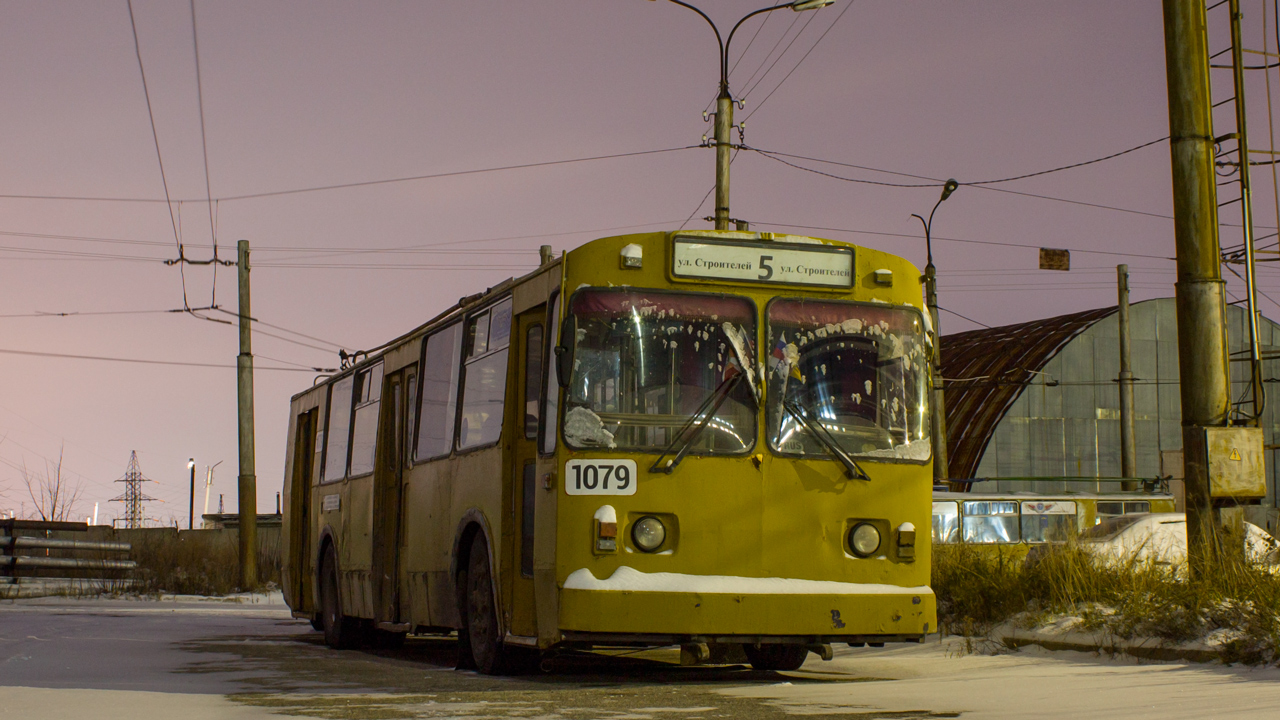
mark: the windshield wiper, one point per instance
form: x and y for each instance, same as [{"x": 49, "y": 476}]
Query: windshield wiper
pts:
[
  {"x": 851, "y": 468},
  {"x": 690, "y": 432}
]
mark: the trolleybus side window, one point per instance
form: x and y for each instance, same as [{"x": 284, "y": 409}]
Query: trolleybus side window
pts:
[
  {"x": 339, "y": 432},
  {"x": 441, "y": 363},
  {"x": 1117, "y": 508},
  {"x": 946, "y": 522},
  {"x": 860, "y": 370},
  {"x": 551, "y": 391},
  {"x": 532, "y": 380},
  {"x": 645, "y": 362},
  {"x": 364, "y": 434},
  {"x": 484, "y": 382},
  {"x": 990, "y": 521},
  {"x": 1048, "y": 521}
]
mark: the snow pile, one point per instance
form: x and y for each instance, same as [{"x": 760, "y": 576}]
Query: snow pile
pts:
[
  {"x": 583, "y": 427},
  {"x": 631, "y": 580}
]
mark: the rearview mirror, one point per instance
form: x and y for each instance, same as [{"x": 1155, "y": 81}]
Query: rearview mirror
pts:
[{"x": 564, "y": 351}]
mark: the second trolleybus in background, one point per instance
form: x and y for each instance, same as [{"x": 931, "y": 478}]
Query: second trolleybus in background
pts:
[{"x": 703, "y": 437}]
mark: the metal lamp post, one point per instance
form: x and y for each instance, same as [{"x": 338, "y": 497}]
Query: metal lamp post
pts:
[
  {"x": 191, "y": 508},
  {"x": 940, "y": 470},
  {"x": 725, "y": 101}
]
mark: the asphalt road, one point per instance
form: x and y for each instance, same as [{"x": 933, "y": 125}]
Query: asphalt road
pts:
[{"x": 132, "y": 659}]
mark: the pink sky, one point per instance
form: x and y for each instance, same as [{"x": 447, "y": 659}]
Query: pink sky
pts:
[{"x": 304, "y": 94}]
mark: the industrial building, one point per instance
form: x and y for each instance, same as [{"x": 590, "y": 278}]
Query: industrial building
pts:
[{"x": 1041, "y": 399}]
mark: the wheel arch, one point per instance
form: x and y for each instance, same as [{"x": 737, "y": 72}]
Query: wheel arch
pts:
[{"x": 473, "y": 523}]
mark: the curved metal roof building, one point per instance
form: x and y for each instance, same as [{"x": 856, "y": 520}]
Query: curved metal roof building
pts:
[{"x": 1041, "y": 399}]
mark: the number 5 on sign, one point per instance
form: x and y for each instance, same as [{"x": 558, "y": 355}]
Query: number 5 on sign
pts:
[{"x": 600, "y": 477}]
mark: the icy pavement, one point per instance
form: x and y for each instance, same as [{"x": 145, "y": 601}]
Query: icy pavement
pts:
[{"x": 196, "y": 659}]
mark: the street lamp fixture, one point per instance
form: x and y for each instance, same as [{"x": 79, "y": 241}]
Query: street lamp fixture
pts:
[
  {"x": 940, "y": 469},
  {"x": 725, "y": 101}
]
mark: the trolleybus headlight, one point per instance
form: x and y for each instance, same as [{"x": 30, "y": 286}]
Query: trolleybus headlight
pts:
[
  {"x": 864, "y": 539},
  {"x": 648, "y": 533}
]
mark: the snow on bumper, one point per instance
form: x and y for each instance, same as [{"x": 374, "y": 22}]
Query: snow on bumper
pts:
[{"x": 630, "y": 601}]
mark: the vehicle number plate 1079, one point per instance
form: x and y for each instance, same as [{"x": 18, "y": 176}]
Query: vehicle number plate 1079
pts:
[{"x": 600, "y": 477}]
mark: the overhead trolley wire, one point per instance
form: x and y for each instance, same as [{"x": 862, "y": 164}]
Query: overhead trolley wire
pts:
[{"x": 137, "y": 47}]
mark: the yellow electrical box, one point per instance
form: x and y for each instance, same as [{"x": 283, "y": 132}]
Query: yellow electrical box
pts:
[{"x": 1236, "y": 465}]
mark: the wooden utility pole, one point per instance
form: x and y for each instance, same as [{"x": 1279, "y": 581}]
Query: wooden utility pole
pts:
[
  {"x": 1128, "y": 447},
  {"x": 1202, "y": 342},
  {"x": 248, "y": 481}
]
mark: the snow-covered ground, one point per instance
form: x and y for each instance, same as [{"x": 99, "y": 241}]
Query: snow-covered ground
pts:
[{"x": 196, "y": 659}]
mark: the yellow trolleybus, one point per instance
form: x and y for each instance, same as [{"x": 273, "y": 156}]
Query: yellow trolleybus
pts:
[{"x": 656, "y": 439}]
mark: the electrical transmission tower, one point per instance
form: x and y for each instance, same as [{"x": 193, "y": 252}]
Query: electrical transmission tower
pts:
[{"x": 133, "y": 496}]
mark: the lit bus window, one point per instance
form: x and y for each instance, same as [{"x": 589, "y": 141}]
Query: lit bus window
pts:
[
  {"x": 364, "y": 435},
  {"x": 335, "y": 453},
  {"x": 1049, "y": 521},
  {"x": 990, "y": 521},
  {"x": 946, "y": 522},
  {"x": 485, "y": 377},
  {"x": 440, "y": 367}
]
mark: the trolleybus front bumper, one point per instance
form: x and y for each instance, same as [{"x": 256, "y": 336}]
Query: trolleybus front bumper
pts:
[{"x": 719, "y": 606}]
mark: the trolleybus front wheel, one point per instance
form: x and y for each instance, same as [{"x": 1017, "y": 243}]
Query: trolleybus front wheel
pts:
[
  {"x": 776, "y": 656},
  {"x": 339, "y": 631},
  {"x": 482, "y": 619}
]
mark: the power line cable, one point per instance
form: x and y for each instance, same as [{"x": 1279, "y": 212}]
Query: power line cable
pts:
[
  {"x": 801, "y": 62},
  {"x": 363, "y": 183},
  {"x": 959, "y": 240},
  {"x": 456, "y": 173},
  {"x": 204, "y": 148},
  {"x": 783, "y": 36},
  {"x": 765, "y": 74},
  {"x": 142, "y": 361},
  {"x": 155, "y": 136},
  {"x": 964, "y": 317}
]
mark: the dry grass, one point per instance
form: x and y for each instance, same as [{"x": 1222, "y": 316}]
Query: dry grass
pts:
[{"x": 981, "y": 587}]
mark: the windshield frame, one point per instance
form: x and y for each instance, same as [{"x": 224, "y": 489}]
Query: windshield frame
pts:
[
  {"x": 753, "y": 336},
  {"x": 769, "y": 402}
]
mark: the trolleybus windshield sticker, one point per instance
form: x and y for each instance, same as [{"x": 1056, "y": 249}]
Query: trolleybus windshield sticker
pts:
[
  {"x": 765, "y": 263},
  {"x": 600, "y": 477}
]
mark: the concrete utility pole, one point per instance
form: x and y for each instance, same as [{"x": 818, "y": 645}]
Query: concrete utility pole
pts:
[
  {"x": 1202, "y": 342},
  {"x": 248, "y": 484},
  {"x": 725, "y": 101},
  {"x": 1128, "y": 448}
]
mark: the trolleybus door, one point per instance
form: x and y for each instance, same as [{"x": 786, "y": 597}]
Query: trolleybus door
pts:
[
  {"x": 519, "y": 542},
  {"x": 300, "y": 508},
  {"x": 387, "y": 507}
]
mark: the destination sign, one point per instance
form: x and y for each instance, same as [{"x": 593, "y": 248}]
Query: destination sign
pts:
[{"x": 763, "y": 263}]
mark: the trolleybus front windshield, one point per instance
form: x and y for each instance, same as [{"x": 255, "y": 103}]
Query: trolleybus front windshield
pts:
[
  {"x": 646, "y": 362},
  {"x": 861, "y": 371}
]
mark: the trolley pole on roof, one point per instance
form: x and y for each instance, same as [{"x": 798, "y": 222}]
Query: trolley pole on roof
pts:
[
  {"x": 248, "y": 481},
  {"x": 1128, "y": 447},
  {"x": 1202, "y": 345},
  {"x": 725, "y": 101}
]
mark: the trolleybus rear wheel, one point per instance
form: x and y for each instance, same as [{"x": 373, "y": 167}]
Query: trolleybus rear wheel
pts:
[
  {"x": 776, "y": 656},
  {"x": 339, "y": 630},
  {"x": 482, "y": 618}
]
